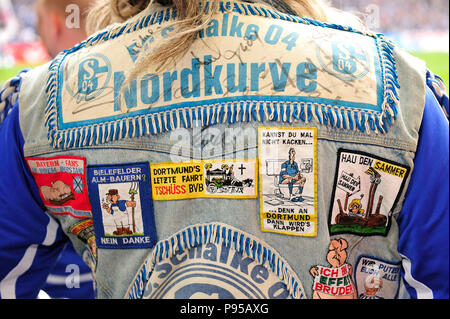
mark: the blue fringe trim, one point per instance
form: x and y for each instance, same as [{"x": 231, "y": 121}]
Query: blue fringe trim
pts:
[
  {"x": 219, "y": 234},
  {"x": 289, "y": 112}
]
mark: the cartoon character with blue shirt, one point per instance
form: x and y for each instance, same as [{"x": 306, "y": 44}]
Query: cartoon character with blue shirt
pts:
[
  {"x": 290, "y": 174},
  {"x": 118, "y": 209}
]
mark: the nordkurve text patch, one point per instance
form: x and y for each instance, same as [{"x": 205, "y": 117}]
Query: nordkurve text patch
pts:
[
  {"x": 250, "y": 63},
  {"x": 122, "y": 205},
  {"x": 288, "y": 187},
  {"x": 366, "y": 190}
]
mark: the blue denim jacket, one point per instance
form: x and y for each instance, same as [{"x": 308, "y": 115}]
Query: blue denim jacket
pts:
[{"x": 195, "y": 154}]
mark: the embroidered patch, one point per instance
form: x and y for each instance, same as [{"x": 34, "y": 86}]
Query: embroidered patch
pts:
[
  {"x": 320, "y": 72},
  {"x": 214, "y": 261},
  {"x": 84, "y": 230},
  {"x": 288, "y": 187},
  {"x": 334, "y": 281},
  {"x": 204, "y": 179},
  {"x": 377, "y": 279},
  {"x": 122, "y": 205},
  {"x": 62, "y": 184},
  {"x": 366, "y": 190}
]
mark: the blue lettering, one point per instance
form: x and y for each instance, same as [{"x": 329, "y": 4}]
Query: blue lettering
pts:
[
  {"x": 175, "y": 261},
  {"x": 87, "y": 75},
  {"x": 212, "y": 79},
  {"x": 132, "y": 52},
  {"x": 129, "y": 93},
  {"x": 278, "y": 291},
  {"x": 259, "y": 274},
  {"x": 344, "y": 58},
  {"x": 251, "y": 32},
  {"x": 146, "y": 99},
  {"x": 306, "y": 76},
  {"x": 225, "y": 24},
  {"x": 210, "y": 252},
  {"x": 213, "y": 28},
  {"x": 224, "y": 254},
  {"x": 255, "y": 70},
  {"x": 236, "y": 29},
  {"x": 168, "y": 79},
  {"x": 279, "y": 81},
  {"x": 164, "y": 268},
  {"x": 194, "y": 74},
  {"x": 231, "y": 77},
  {"x": 239, "y": 262},
  {"x": 273, "y": 34}
]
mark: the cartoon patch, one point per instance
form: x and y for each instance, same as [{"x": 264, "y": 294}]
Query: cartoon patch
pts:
[
  {"x": 84, "y": 230},
  {"x": 366, "y": 190},
  {"x": 122, "y": 205},
  {"x": 204, "y": 179},
  {"x": 287, "y": 162},
  {"x": 377, "y": 279},
  {"x": 334, "y": 281},
  {"x": 62, "y": 184},
  {"x": 214, "y": 261}
]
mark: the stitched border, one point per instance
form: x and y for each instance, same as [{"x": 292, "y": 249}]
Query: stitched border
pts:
[
  {"x": 241, "y": 111},
  {"x": 221, "y": 234}
]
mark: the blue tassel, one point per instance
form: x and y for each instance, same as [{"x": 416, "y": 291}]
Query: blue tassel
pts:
[
  {"x": 233, "y": 112},
  {"x": 350, "y": 120},
  {"x": 361, "y": 126}
]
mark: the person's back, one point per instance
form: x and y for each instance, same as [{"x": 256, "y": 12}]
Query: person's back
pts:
[{"x": 142, "y": 150}]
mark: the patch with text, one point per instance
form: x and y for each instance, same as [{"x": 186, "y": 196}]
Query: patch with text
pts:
[
  {"x": 288, "y": 187},
  {"x": 62, "y": 184},
  {"x": 122, "y": 205},
  {"x": 377, "y": 279},
  {"x": 247, "y": 64},
  {"x": 204, "y": 179},
  {"x": 334, "y": 281},
  {"x": 366, "y": 190}
]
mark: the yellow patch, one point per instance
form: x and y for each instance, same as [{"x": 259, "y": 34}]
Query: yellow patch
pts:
[
  {"x": 390, "y": 169},
  {"x": 204, "y": 179},
  {"x": 288, "y": 180}
]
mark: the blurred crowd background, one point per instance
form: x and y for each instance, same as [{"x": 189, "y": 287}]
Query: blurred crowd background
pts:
[
  {"x": 416, "y": 25},
  {"x": 419, "y": 26},
  {"x": 401, "y": 15}
]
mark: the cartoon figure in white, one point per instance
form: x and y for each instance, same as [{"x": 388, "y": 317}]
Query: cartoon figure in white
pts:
[{"x": 118, "y": 209}]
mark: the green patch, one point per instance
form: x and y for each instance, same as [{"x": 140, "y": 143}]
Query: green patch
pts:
[
  {"x": 124, "y": 235},
  {"x": 357, "y": 229}
]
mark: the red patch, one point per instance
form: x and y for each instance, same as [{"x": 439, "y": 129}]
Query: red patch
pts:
[{"x": 62, "y": 184}]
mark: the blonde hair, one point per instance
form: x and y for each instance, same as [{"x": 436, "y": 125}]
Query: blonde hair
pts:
[{"x": 191, "y": 19}]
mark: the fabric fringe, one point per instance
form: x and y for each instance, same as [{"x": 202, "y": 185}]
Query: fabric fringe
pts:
[
  {"x": 219, "y": 234},
  {"x": 227, "y": 112},
  {"x": 9, "y": 94}
]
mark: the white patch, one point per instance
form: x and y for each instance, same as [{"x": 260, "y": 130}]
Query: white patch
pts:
[
  {"x": 288, "y": 187},
  {"x": 366, "y": 191}
]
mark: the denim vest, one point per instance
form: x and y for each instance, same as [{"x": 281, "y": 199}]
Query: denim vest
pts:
[{"x": 270, "y": 162}]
